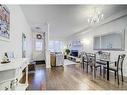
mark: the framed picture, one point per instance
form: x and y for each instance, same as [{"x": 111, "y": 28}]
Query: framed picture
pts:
[{"x": 4, "y": 23}]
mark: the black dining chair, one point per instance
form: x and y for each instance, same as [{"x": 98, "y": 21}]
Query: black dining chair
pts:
[
  {"x": 92, "y": 63},
  {"x": 89, "y": 59},
  {"x": 116, "y": 67},
  {"x": 86, "y": 60}
]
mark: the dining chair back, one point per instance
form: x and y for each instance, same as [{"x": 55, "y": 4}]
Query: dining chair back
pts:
[
  {"x": 86, "y": 60},
  {"x": 105, "y": 56},
  {"x": 91, "y": 58},
  {"x": 119, "y": 63}
]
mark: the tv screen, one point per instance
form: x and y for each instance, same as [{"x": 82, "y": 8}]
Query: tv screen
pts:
[{"x": 74, "y": 53}]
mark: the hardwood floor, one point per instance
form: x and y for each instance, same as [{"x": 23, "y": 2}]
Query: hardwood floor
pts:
[
  {"x": 70, "y": 77},
  {"x": 37, "y": 79},
  {"x": 73, "y": 77}
]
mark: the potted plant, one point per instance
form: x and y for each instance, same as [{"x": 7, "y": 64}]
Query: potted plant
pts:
[{"x": 67, "y": 51}]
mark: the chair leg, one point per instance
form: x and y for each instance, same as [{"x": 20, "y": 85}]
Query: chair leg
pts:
[
  {"x": 95, "y": 72},
  {"x": 103, "y": 72},
  {"x": 122, "y": 75},
  {"x": 118, "y": 77},
  {"x": 100, "y": 71},
  {"x": 83, "y": 65},
  {"x": 115, "y": 74},
  {"x": 91, "y": 68},
  {"x": 87, "y": 68}
]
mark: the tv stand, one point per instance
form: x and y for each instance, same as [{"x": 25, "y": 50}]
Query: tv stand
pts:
[{"x": 73, "y": 58}]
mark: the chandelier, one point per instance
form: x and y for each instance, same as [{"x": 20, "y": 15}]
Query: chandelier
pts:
[{"x": 95, "y": 16}]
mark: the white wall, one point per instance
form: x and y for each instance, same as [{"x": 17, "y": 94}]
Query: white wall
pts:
[
  {"x": 87, "y": 37},
  {"x": 47, "y": 52},
  {"x": 18, "y": 25}
]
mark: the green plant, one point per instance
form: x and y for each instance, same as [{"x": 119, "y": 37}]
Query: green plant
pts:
[{"x": 67, "y": 51}]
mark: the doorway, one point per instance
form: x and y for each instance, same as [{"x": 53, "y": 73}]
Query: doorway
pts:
[{"x": 38, "y": 47}]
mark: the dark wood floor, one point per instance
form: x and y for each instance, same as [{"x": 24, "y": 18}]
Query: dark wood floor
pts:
[
  {"x": 71, "y": 77},
  {"x": 37, "y": 79}
]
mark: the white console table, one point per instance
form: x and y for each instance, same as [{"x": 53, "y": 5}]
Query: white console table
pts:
[
  {"x": 75, "y": 59},
  {"x": 11, "y": 73}
]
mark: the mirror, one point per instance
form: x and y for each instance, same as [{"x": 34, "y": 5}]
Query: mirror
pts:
[{"x": 111, "y": 41}]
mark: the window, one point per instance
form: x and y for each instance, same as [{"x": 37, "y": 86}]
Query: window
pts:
[
  {"x": 38, "y": 46},
  {"x": 56, "y": 46}
]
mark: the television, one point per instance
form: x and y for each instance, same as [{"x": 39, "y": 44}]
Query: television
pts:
[{"x": 74, "y": 53}]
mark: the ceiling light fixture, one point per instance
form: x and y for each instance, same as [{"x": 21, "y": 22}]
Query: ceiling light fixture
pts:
[{"x": 95, "y": 16}]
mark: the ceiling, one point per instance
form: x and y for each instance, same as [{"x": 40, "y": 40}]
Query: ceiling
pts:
[{"x": 64, "y": 20}]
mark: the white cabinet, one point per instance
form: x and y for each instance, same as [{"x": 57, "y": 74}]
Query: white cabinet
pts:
[
  {"x": 11, "y": 74},
  {"x": 59, "y": 59}
]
